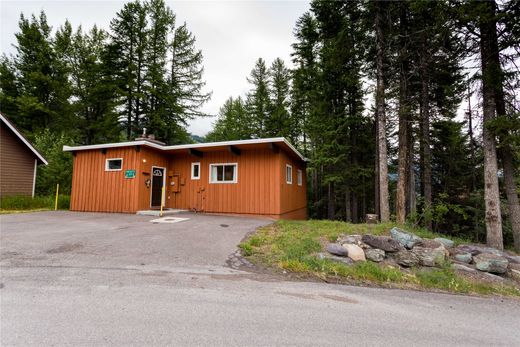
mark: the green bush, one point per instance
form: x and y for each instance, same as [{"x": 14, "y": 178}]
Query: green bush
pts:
[{"x": 20, "y": 203}]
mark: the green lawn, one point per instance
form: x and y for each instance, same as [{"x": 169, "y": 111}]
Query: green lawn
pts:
[
  {"x": 17, "y": 204},
  {"x": 292, "y": 246}
]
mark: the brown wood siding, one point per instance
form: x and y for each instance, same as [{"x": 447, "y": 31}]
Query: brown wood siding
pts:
[
  {"x": 256, "y": 192},
  {"x": 97, "y": 190},
  {"x": 293, "y": 196},
  {"x": 16, "y": 165}
]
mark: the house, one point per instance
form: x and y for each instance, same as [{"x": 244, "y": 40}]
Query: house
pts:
[
  {"x": 251, "y": 177},
  {"x": 19, "y": 161}
]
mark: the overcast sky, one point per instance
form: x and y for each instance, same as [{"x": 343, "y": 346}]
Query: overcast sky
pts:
[{"x": 231, "y": 35}]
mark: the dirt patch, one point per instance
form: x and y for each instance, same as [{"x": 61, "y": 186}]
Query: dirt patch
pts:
[{"x": 66, "y": 247}]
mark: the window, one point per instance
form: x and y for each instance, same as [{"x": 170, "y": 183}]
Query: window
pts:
[
  {"x": 115, "y": 164},
  {"x": 300, "y": 177},
  {"x": 195, "y": 171},
  {"x": 288, "y": 174},
  {"x": 223, "y": 173}
]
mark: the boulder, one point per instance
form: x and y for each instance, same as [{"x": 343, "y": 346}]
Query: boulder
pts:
[
  {"x": 337, "y": 249},
  {"x": 334, "y": 258},
  {"x": 446, "y": 242},
  {"x": 406, "y": 258},
  {"x": 514, "y": 274},
  {"x": 406, "y": 239},
  {"x": 430, "y": 256},
  {"x": 376, "y": 255},
  {"x": 488, "y": 262},
  {"x": 385, "y": 243},
  {"x": 352, "y": 239},
  {"x": 427, "y": 243},
  {"x": 464, "y": 257},
  {"x": 355, "y": 252},
  {"x": 461, "y": 267},
  {"x": 514, "y": 266},
  {"x": 515, "y": 259},
  {"x": 476, "y": 249}
]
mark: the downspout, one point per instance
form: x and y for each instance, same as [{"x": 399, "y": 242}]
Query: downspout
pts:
[{"x": 34, "y": 177}]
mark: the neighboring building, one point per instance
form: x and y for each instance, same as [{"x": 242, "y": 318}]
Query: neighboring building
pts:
[
  {"x": 18, "y": 161},
  {"x": 257, "y": 177}
]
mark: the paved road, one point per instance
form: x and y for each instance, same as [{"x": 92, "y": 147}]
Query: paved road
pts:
[{"x": 73, "y": 303}]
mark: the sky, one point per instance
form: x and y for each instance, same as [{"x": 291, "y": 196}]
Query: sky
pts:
[{"x": 232, "y": 35}]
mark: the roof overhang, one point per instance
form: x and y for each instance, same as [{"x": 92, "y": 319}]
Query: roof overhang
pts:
[
  {"x": 196, "y": 146},
  {"x": 23, "y": 139}
]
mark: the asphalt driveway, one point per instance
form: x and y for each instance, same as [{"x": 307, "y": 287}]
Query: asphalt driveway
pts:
[{"x": 109, "y": 240}]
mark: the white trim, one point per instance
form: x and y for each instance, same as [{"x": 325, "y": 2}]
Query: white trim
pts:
[
  {"x": 192, "y": 166},
  {"x": 299, "y": 177},
  {"x": 235, "y": 176},
  {"x": 34, "y": 176},
  {"x": 20, "y": 136},
  {"x": 106, "y": 164},
  {"x": 163, "y": 203},
  {"x": 187, "y": 146},
  {"x": 288, "y": 181}
]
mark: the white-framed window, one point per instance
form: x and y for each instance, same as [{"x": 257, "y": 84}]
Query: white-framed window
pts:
[
  {"x": 288, "y": 174},
  {"x": 195, "y": 171},
  {"x": 223, "y": 173},
  {"x": 300, "y": 177},
  {"x": 114, "y": 164}
]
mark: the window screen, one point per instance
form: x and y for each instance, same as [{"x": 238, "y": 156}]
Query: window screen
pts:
[
  {"x": 114, "y": 164},
  {"x": 223, "y": 173}
]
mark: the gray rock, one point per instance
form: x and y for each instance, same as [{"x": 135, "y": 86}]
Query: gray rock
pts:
[
  {"x": 462, "y": 267},
  {"x": 427, "y": 243},
  {"x": 514, "y": 274},
  {"x": 446, "y": 242},
  {"x": 488, "y": 262},
  {"x": 336, "y": 249},
  {"x": 476, "y": 249},
  {"x": 406, "y": 258},
  {"x": 464, "y": 257},
  {"x": 355, "y": 252},
  {"x": 355, "y": 239},
  {"x": 376, "y": 255},
  {"x": 493, "y": 277},
  {"x": 515, "y": 259},
  {"x": 385, "y": 243},
  {"x": 334, "y": 258},
  {"x": 430, "y": 256},
  {"x": 406, "y": 239}
]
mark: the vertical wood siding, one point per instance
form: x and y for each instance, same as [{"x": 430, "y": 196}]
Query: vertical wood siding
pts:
[
  {"x": 94, "y": 189},
  {"x": 293, "y": 197},
  {"x": 16, "y": 165},
  {"x": 260, "y": 187},
  {"x": 256, "y": 191}
]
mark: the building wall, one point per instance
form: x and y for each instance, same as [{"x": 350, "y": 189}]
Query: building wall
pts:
[
  {"x": 293, "y": 197},
  {"x": 147, "y": 159},
  {"x": 256, "y": 191},
  {"x": 97, "y": 190},
  {"x": 16, "y": 165}
]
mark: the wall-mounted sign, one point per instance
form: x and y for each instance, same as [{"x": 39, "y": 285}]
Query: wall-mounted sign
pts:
[{"x": 129, "y": 173}]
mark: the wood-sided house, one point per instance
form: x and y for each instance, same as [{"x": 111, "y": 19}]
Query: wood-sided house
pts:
[
  {"x": 19, "y": 161},
  {"x": 252, "y": 177}
]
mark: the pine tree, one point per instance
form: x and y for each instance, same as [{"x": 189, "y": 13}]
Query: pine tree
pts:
[
  {"x": 233, "y": 122},
  {"x": 280, "y": 122},
  {"x": 258, "y": 103}
]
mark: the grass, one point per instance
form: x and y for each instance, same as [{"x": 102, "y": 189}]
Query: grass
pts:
[
  {"x": 15, "y": 204},
  {"x": 292, "y": 246}
]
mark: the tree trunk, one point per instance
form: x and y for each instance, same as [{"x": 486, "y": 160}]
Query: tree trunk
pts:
[
  {"x": 508, "y": 166},
  {"x": 331, "y": 199},
  {"x": 403, "y": 135},
  {"x": 348, "y": 213},
  {"x": 490, "y": 72},
  {"x": 382, "y": 161},
  {"x": 426, "y": 156}
]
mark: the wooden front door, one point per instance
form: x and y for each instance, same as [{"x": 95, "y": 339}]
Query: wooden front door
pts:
[{"x": 157, "y": 185}]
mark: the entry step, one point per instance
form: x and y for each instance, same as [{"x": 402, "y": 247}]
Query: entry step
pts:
[{"x": 157, "y": 213}]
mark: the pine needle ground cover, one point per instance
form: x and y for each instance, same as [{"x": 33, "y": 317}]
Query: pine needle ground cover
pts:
[{"x": 291, "y": 247}]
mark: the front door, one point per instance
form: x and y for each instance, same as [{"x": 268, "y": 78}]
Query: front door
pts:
[{"x": 157, "y": 185}]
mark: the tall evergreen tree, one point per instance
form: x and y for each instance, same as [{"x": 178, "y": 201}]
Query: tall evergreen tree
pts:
[
  {"x": 258, "y": 102},
  {"x": 280, "y": 122}
]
